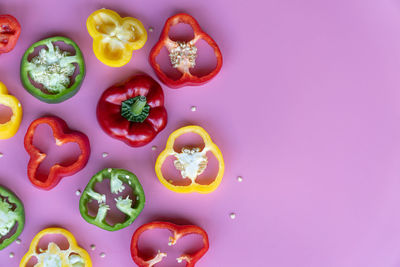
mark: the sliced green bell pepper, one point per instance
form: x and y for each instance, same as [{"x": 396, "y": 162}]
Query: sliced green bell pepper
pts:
[
  {"x": 52, "y": 69},
  {"x": 119, "y": 178},
  {"x": 11, "y": 213}
]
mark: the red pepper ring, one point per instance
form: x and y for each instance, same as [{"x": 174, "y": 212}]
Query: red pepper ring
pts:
[
  {"x": 178, "y": 231},
  {"x": 187, "y": 78},
  {"x": 10, "y": 29},
  {"x": 62, "y": 135}
]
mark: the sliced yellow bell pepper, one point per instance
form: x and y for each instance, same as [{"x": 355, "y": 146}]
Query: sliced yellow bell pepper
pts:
[
  {"x": 191, "y": 162},
  {"x": 74, "y": 256},
  {"x": 10, "y": 128},
  {"x": 115, "y": 38}
]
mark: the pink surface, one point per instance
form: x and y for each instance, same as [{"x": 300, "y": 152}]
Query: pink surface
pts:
[{"x": 306, "y": 109}]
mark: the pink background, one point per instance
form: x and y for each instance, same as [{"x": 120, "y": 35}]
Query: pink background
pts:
[{"x": 306, "y": 109}]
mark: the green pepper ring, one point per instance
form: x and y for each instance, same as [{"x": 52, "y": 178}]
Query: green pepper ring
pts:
[
  {"x": 99, "y": 177},
  {"x": 64, "y": 95},
  {"x": 19, "y": 209}
]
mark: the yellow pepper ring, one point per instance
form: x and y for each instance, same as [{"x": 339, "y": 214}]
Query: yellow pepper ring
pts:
[
  {"x": 54, "y": 250},
  {"x": 10, "y": 128},
  {"x": 208, "y": 146},
  {"x": 115, "y": 38}
]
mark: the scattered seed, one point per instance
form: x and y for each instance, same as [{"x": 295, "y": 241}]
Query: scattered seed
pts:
[
  {"x": 18, "y": 241},
  {"x": 151, "y": 29},
  {"x": 1, "y": 155},
  {"x": 193, "y": 108},
  {"x": 109, "y": 170},
  {"x": 102, "y": 254},
  {"x": 105, "y": 154},
  {"x": 78, "y": 192},
  {"x": 11, "y": 255},
  {"x": 240, "y": 179},
  {"x": 92, "y": 247},
  {"x": 19, "y": 104},
  {"x": 153, "y": 148},
  {"x": 232, "y": 215},
  {"x": 179, "y": 260}
]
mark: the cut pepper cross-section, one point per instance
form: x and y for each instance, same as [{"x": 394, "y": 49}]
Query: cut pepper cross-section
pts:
[
  {"x": 54, "y": 256},
  {"x": 114, "y": 38},
  {"x": 191, "y": 162},
  {"x": 10, "y": 128},
  {"x": 62, "y": 135},
  {"x": 178, "y": 231},
  {"x": 119, "y": 179},
  {"x": 183, "y": 54},
  {"x": 10, "y": 29}
]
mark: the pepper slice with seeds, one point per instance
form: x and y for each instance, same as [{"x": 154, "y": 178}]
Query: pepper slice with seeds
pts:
[
  {"x": 183, "y": 54},
  {"x": 119, "y": 179},
  {"x": 49, "y": 72},
  {"x": 10, "y": 29}
]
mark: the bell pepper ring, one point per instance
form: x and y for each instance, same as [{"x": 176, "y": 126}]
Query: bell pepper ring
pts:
[
  {"x": 10, "y": 128},
  {"x": 119, "y": 179},
  {"x": 115, "y": 38},
  {"x": 54, "y": 75},
  {"x": 10, "y": 29},
  {"x": 178, "y": 232},
  {"x": 133, "y": 112},
  {"x": 62, "y": 135},
  {"x": 12, "y": 217},
  {"x": 191, "y": 162},
  {"x": 183, "y": 54},
  {"x": 74, "y": 256}
]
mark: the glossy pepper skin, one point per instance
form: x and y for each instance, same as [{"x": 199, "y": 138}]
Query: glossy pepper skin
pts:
[
  {"x": 118, "y": 104},
  {"x": 119, "y": 179},
  {"x": 54, "y": 255},
  {"x": 115, "y": 38},
  {"x": 46, "y": 95},
  {"x": 209, "y": 146},
  {"x": 10, "y": 216},
  {"x": 184, "y": 67},
  {"x": 178, "y": 231},
  {"x": 10, "y": 29},
  {"x": 10, "y": 128},
  {"x": 62, "y": 135}
]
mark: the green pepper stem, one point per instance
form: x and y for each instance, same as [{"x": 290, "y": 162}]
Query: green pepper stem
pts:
[{"x": 138, "y": 106}]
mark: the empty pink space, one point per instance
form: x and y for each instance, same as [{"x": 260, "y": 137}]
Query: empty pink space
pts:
[{"x": 306, "y": 109}]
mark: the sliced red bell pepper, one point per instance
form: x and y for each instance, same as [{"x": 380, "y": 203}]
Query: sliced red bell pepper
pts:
[
  {"x": 133, "y": 111},
  {"x": 178, "y": 232},
  {"x": 62, "y": 135},
  {"x": 183, "y": 54},
  {"x": 10, "y": 29}
]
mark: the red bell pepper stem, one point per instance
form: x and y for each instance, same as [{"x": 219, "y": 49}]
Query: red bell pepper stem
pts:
[
  {"x": 178, "y": 231},
  {"x": 187, "y": 78},
  {"x": 62, "y": 135}
]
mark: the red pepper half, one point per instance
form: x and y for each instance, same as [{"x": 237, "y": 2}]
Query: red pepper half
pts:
[
  {"x": 62, "y": 135},
  {"x": 9, "y": 33},
  {"x": 178, "y": 232},
  {"x": 183, "y": 54},
  {"x": 133, "y": 111}
]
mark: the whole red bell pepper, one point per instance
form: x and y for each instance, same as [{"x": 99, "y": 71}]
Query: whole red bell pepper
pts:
[
  {"x": 133, "y": 111},
  {"x": 183, "y": 54},
  {"x": 62, "y": 135},
  {"x": 10, "y": 29},
  {"x": 178, "y": 232}
]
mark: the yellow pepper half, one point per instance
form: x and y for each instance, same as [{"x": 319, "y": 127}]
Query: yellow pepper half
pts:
[
  {"x": 115, "y": 38},
  {"x": 191, "y": 162},
  {"x": 74, "y": 256},
  {"x": 10, "y": 128}
]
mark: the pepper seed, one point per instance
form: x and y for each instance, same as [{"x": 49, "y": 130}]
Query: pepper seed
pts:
[
  {"x": 102, "y": 254},
  {"x": 240, "y": 179},
  {"x": 153, "y": 148},
  {"x": 105, "y": 154},
  {"x": 92, "y": 247},
  {"x": 151, "y": 29},
  {"x": 11, "y": 255},
  {"x": 193, "y": 108},
  {"x": 18, "y": 241},
  {"x": 78, "y": 192},
  {"x": 1, "y": 155},
  {"x": 232, "y": 215}
]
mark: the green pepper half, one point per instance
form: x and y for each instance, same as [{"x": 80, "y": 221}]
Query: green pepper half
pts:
[
  {"x": 11, "y": 213},
  {"x": 53, "y": 69},
  {"x": 119, "y": 178}
]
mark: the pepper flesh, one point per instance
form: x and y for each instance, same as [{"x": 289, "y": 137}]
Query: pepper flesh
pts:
[
  {"x": 10, "y": 29},
  {"x": 183, "y": 54},
  {"x": 191, "y": 162},
  {"x": 178, "y": 232},
  {"x": 119, "y": 179},
  {"x": 53, "y": 256},
  {"x": 53, "y": 69},
  {"x": 62, "y": 135},
  {"x": 123, "y": 115},
  {"x": 10, "y": 128},
  {"x": 11, "y": 213},
  {"x": 115, "y": 38}
]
